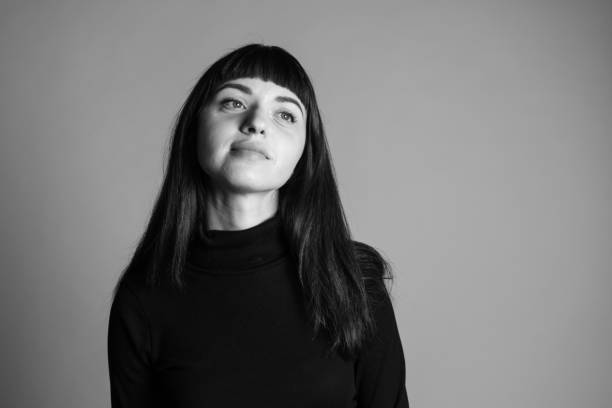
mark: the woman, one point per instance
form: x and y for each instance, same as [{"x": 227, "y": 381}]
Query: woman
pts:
[{"x": 246, "y": 289}]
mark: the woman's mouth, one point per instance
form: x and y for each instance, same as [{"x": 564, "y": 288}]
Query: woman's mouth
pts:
[{"x": 248, "y": 153}]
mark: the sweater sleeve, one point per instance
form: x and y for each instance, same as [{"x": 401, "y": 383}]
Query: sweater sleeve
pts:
[
  {"x": 380, "y": 372},
  {"x": 128, "y": 352}
]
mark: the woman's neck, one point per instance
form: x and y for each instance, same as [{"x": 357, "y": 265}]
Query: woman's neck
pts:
[{"x": 233, "y": 211}]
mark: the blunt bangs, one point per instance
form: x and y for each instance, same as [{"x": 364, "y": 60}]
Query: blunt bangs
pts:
[{"x": 268, "y": 63}]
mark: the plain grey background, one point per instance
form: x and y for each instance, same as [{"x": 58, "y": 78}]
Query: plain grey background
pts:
[{"x": 472, "y": 143}]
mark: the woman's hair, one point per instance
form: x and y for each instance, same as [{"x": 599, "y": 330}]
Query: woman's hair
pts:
[{"x": 342, "y": 279}]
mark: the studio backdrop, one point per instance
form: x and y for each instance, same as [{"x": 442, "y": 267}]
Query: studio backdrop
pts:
[{"x": 472, "y": 145}]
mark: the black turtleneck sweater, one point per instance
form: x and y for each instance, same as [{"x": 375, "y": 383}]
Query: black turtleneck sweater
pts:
[{"x": 238, "y": 336}]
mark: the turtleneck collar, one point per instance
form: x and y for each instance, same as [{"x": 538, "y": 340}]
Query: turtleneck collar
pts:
[{"x": 227, "y": 251}]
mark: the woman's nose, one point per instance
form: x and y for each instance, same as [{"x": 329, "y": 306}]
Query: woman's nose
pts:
[{"x": 254, "y": 122}]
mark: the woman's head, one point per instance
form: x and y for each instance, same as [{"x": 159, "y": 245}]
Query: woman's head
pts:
[{"x": 252, "y": 87}]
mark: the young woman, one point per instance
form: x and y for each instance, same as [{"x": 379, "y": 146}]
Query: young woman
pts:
[{"x": 246, "y": 289}]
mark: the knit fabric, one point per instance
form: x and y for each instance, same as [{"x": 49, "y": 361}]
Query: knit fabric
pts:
[{"x": 238, "y": 336}]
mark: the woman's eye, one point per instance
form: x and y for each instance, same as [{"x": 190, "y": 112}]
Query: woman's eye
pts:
[
  {"x": 287, "y": 116},
  {"x": 232, "y": 104}
]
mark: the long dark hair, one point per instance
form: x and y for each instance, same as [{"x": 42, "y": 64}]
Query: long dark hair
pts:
[{"x": 342, "y": 279}]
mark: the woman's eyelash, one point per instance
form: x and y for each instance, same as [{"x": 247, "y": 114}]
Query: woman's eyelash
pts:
[
  {"x": 230, "y": 102},
  {"x": 291, "y": 116}
]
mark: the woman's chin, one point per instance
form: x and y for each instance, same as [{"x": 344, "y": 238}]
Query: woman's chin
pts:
[{"x": 244, "y": 185}]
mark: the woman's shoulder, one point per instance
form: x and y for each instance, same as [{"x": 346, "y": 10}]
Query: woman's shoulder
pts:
[
  {"x": 372, "y": 263},
  {"x": 134, "y": 288},
  {"x": 131, "y": 282},
  {"x": 374, "y": 268}
]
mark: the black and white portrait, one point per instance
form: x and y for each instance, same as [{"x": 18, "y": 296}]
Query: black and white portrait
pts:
[{"x": 306, "y": 204}]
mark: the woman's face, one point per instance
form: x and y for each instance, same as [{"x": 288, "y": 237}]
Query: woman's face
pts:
[{"x": 251, "y": 135}]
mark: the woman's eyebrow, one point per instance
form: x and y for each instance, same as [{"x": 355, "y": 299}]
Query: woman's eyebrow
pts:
[
  {"x": 290, "y": 100},
  {"x": 239, "y": 87},
  {"x": 247, "y": 90}
]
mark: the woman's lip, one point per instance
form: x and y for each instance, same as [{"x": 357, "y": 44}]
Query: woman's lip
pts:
[{"x": 250, "y": 150}]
